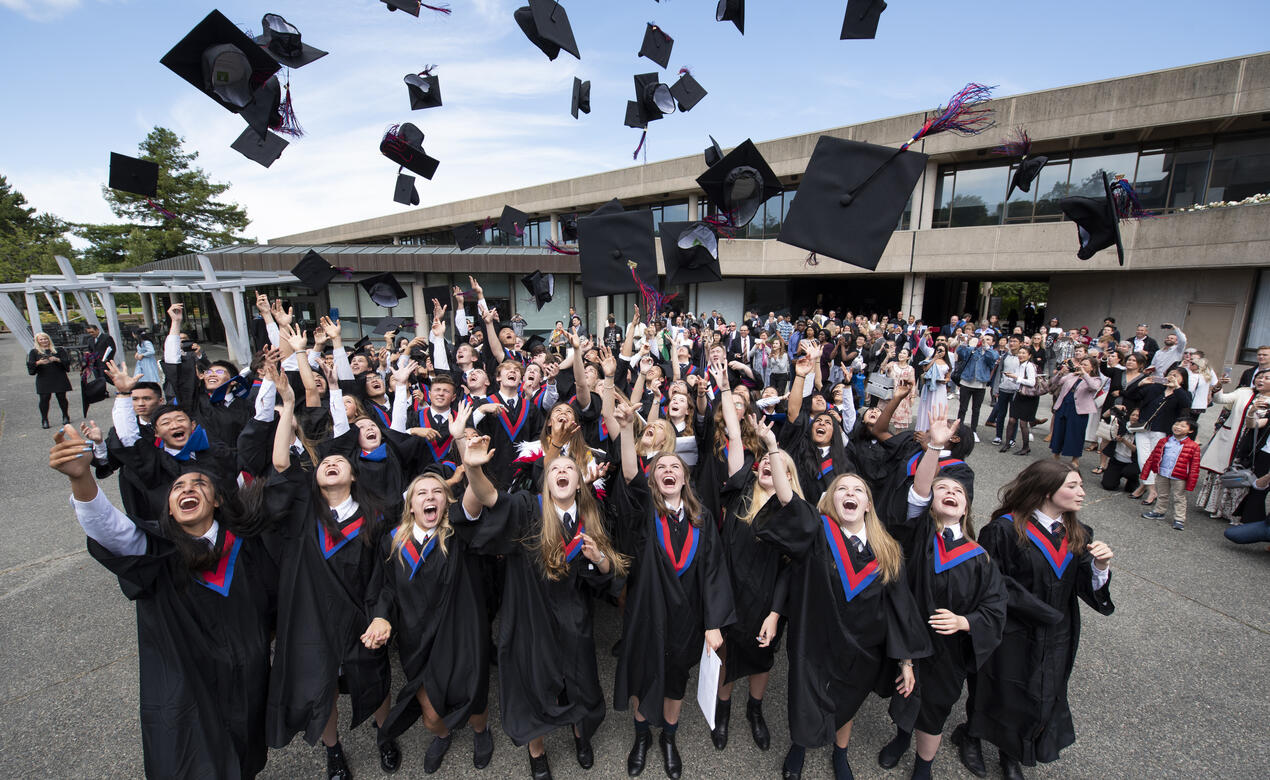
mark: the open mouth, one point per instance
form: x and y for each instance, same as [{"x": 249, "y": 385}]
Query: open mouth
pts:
[
  {"x": 949, "y": 501},
  {"x": 850, "y": 504},
  {"x": 332, "y": 471},
  {"x": 430, "y": 514},
  {"x": 178, "y": 436},
  {"x": 188, "y": 503},
  {"x": 669, "y": 481}
]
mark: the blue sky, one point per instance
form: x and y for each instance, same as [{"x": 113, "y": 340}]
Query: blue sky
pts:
[{"x": 84, "y": 79}]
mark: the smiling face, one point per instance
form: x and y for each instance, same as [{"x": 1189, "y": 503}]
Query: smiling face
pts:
[
  {"x": 368, "y": 435},
  {"x": 429, "y": 501},
  {"x": 174, "y": 428},
  {"x": 359, "y": 363},
  {"x": 822, "y": 430},
  {"x": 334, "y": 470},
  {"x": 678, "y": 405},
  {"x": 1071, "y": 495},
  {"x": 563, "y": 481},
  {"x": 374, "y": 385},
  {"x": 669, "y": 477},
  {"x": 849, "y": 500},
  {"x": 43, "y": 341},
  {"x": 562, "y": 416},
  {"x": 191, "y": 500},
  {"x": 442, "y": 394},
  {"x": 533, "y": 374},
  {"x": 477, "y": 381},
  {"x": 764, "y": 472},
  {"x": 948, "y": 499},
  {"x": 215, "y": 376}
]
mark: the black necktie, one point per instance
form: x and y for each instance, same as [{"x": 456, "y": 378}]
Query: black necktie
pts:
[
  {"x": 335, "y": 517},
  {"x": 568, "y": 523},
  {"x": 857, "y": 545},
  {"x": 948, "y": 537},
  {"x": 1060, "y": 530},
  {"x": 439, "y": 422}
]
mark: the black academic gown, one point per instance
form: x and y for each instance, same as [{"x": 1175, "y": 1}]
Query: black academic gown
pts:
[
  {"x": 837, "y": 646},
  {"x": 667, "y": 613},
  {"x": 816, "y": 471},
  {"x": 324, "y": 607},
  {"x": 1021, "y": 691},
  {"x": 506, "y": 428},
  {"x": 203, "y": 647},
  {"x": 547, "y": 670},
  {"x": 147, "y": 470},
  {"x": 892, "y": 491},
  {"x": 434, "y": 601}
]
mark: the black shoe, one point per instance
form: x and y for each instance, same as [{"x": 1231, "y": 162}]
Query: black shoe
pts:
[
  {"x": 586, "y": 756},
  {"x": 336, "y": 765},
  {"x": 1010, "y": 768},
  {"x": 1024, "y": 451},
  {"x": 970, "y": 750},
  {"x": 1005, "y": 447},
  {"x": 44, "y": 424},
  {"x": 66, "y": 420},
  {"x": 436, "y": 753},
  {"x": 639, "y": 753},
  {"x": 674, "y": 765},
  {"x": 758, "y": 725},
  {"x": 792, "y": 769},
  {"x": 482, "y": 748},
  {"x": 891, "y": 753},
  {"x": 539, "y": 769},
  {"x": 722, "y": 714},
  {"x": 389, "y": 756}
]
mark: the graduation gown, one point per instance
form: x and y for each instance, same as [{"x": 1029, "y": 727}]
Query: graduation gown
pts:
[
  {"x": 147, "y": 470},
  {"x": 1021, "y": 691},
  {"x": 668, "y": 608},
  {"x": 203, "y": 648},
  {"x": 815, "y": 471},
  {"x": 324, "y": 606},
  {"x": 547, "y": 671},
  {"x": 843, "y": 625},
  {"x": 506, "y": 428},
  {"x": 892, "y": 491},
  {"x": 436, "y": 606}
]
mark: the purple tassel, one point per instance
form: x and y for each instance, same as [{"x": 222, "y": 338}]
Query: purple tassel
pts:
[
  {"x": 166, "y": 214},
  {"x": 347, "y": 273},
  {"x": 684, "y": 71},
  {"x": 642, "y": 136},
  {"x": 654, "y": 301},
  {"x": 1017, "y": 144},
  {"x": 1126, "y": 201},
  {"x": 965, "y": 114},
  {"x": 560, "y": 250},
  {"x": 289, "y": 124},
  {"x": 441, "y": 9}
]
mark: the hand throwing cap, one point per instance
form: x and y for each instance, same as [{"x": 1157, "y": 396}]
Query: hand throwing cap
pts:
[
  {"x": 281, "y": 40},
  {"x": 610, "y": 241},
  {"x": 1097, "y": 225},
  {"x": 221, "y": 61},
  {"x": 384, "y": 290},
  {"x": 314, "y": 272},
  {"x": 546, "y": 25},
  {"x": 403, "y": 144},
  {"x": 128, "y": 174},
  {"x": 861, "y": 19},
  {"x": 690, "y": 251},
  {"x": 657, "y": 45},
  {"x": 739, "y": 183}
]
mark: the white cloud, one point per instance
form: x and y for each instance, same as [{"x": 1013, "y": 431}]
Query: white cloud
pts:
[{"x": 41, "y": 10}]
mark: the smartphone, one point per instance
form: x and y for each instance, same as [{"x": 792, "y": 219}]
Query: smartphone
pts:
[{"x": 334, "y": 314}]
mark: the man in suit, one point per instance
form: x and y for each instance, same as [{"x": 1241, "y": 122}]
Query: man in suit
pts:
[
  {"x": 1263, "y": 366},
  {"x": 741, "y": 344},
  {"x": 102, "y": 345},
  {"x": 1144, "y": 343},
  {"x": 951, "y": 327}
]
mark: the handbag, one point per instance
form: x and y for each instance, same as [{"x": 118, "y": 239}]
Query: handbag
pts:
[
  {"x": 1237, "y": 477},
  {"x": 880, "y": 386},
  {"x": 1041, "y": 387},
  {"x": 1104, "y": 431}
]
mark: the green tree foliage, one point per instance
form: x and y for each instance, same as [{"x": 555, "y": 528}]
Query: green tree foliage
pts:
[
  {"x": 200, "y": 220},
  {"x": 28, "y": 240}
]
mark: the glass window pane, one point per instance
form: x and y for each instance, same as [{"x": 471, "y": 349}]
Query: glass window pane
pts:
[
  {"x": 943, "y": 194},
  {"x": 1086, "y": 176},
  {"x": 1241, "y": 167},
  {"x": 755, "y": 228},
  {"x": 979, "y": 196},
  {"x": 1020, "y": 206},
  {"x": 1152, "y": 181},
  {"x": 344, "y": 298},
  {"x": 1259, "y": 322},
  {"x": 1051, "y": 186},
  {"x": 675, "y": 212},
  {"x": 906, "y": 215},
  {"x": 1190, "y": 173}
]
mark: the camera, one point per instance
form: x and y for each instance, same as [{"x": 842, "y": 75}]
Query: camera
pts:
[{"x": 187, "y": 346}]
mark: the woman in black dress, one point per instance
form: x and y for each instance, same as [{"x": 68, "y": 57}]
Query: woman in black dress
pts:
[
  {"x": 49, "y": 366},
  {"x": 1049, "y": 560}
]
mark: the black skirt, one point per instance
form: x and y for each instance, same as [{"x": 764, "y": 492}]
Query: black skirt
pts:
[{"x": 1023, "y": 407}]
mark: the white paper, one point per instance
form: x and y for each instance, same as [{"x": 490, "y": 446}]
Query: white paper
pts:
[{"x": 708, "y": 683}]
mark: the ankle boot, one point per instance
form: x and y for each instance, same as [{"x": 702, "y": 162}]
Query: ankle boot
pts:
[
  {"x": 639, "y": 752},
  {"x": 336, "y": 764},
  {"x": 892, "y": 751},
  {"x": 758, "y": 724},
  {"x": 670, "y": 756},
  {"x": 970, "y": 751},
  {"x": 539, "y": 769},
  {"x": 1010, "y": 768},
  {"x": 793, "y": 767},
  {"x": 722, "y": 714}
]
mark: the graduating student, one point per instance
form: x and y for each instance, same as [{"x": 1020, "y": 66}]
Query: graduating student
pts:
[
  {"x": 677, "y": 595},
  {"x": 715, "y": 447},
  {"x": 853, "y": 624},
  {"x": 214, "y": 397},
  {"x": 1049, "y": 561},
  {"x": 507, "y": 417},
  {"x": 957, "y": 587},
  {"x": 814, "y": 439},
  {"x": 427, "y": 592},
  {"x": 204, "y": 585}
]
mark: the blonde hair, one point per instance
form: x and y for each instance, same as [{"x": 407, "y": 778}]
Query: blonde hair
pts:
[
  {"x": 885, "y": 549},
  {"x": 759, "y": 496},
  {"x": 549, "y": 542},
  {"x": 405, "y": 528},
  {"x": 668, "y": 436}
]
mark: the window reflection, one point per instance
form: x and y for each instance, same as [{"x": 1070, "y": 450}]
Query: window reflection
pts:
[
  {"x": 1241, "y": 167},
  {"x": 1050, "y": 187},
  {"x": 977, "y": 199},
  {"x": 1086, "y": 175}
]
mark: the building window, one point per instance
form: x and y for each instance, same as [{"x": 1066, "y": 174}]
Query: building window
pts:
[
  {"x": 1241, "y": 167},
  {"x": 1258, "y": 334}
]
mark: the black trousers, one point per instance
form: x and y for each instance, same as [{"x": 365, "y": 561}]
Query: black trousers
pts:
[
  {"x": 1118, "y": 470},
  {"x": 972, "y": 397},
  {"x": 44, "y": 404},
  {"x": 1001, "y": 411}
]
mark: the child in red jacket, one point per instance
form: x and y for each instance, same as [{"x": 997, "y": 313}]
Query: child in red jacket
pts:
[{"x": 1176, "y": 461}]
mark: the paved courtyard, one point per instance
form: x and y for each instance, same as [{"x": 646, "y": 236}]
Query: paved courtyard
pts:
[{"x": 1171, "y": 685}]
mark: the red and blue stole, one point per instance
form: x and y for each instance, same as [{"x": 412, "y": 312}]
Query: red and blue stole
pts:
[
  {"x": 826, "y": 466},
  {"x": 945, "y": 560},
  {"x": 538, "y": 396},
  {"x": 574, "y": 545},
  {"x": 380, "y": 414},
  {"x": 380, "y": 453},
  {"x": 219, "y": 579},
  {"x": 687, "y": 554},
  {"x": 331, "y": 545},
  {"x": 439, "y": 451},
  {"x": 1057, "y": 557},
  {"x": 411, "y": 552},
  {"x": 943, "y": 463},
  {"x": 512, "y": 429},
  {"x": 853, "y": 582}
]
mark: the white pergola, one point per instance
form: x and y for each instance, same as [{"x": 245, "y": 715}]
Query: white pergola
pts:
[{"x": 150, "y": 285}]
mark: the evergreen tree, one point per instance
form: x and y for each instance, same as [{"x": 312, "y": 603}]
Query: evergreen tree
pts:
[{"x": 28, "y": 240}]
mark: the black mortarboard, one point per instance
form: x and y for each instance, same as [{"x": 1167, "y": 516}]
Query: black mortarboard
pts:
[
  {"x": 405, "y": 192},
  {"x": 128, "y": 174},
  {"x": 262, "y": 150},
  {"x": 281, "y": 40},
  {"x": 607, "y": 243},
  {"x": 634, "y": 116},
  {"x": 314, "y": 272},
  {"x": 403, "y": 144},
  {"x": 569, "y": 228},
  {"x": 861, "y": 19},
  {"x": 1097, "y": 225},
  {"x": 714, "y": 153},
  {"x": 383, "y": 290},
  {"x": 739, "y": 183},
  {"x": 657, "y": 45},
  {"x": 220, "y": 61},
  {"x": 264, "y": 110},
  {"x": 409, "y": 6},
  {"x": 581, "y": 97},
  {"x": 547, "y": 26},
  {"x": 361, "y": 344},
  {"x": 652, "y": 100},
  {"x": 467, "y": 236},
  {"x": 850, "y": 199},
  {"x": 541, "y": 287},
  {"x": 512, "y": 222},
  {"x": 424, "y": 89},
  {"x": 531, "y": 342},
  {"x": 614, "y": 206},
  {"x": 731, "y": 11},
  {"x": 1029, "y": 168},
  {"x": 386, "y": 325},
  {"x": 690, "y": 251},
  {"x": 686, "y": 91}
]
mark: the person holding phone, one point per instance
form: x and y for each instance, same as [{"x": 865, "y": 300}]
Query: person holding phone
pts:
[{"x": 48, "y": 364}]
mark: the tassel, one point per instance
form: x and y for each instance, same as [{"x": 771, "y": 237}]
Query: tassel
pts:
[
  {"x": 965, "y": 114},
  {"x": 487, "y": 224},
  {"x": 289, "y": 124},
  {"x": 1016, "y": 145},
  {"x": 1125, "y": 200},
  {"x": 722, "y": 224},
  {"x": 517, "y": 229},
  {"x": 560, "y": 250},
  {"x": 811, "y": 260},
  {"x": 427, "y": 71},
  {"x": 642, "y": 136},
  {"x": 684, "y": 71},
  {"x": 441, "y": 9},
  {"x": 347, "y": 273},
  {"x": 166, "y": 214},
  {"x": 654, "y": 301}
]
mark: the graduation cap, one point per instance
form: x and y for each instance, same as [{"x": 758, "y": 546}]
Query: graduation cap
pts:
[
  {"x": 405, "y": 192},
  {"x": 409, "y": 6},
  {"x": 383, "y": 290},
  {"x": 361, "y": 344},
  {"x": 657, "y": 45},
  {"x": 128, "y": 174},
  {"x": 569, "y": 228},
  {"x": 581, "y": 97},
  {"x": 265, "y": 109},
  {"x": 1097, "y": 224},
  {"x": 607, "y": 243},
  {"x": 467, "y": 236},
  {"x": 512, "y": 222},
  {"x": 634, "y": 116},
  {"x": 652, "y": 101},
  {"x": 220, "y": 61},
  {"x": 403, "y": 144},
  {"x": 541, "y": 287},
  {"x": 257, "y": 149},
  {"x": 614, "y": 206},
  {"x": 731, "y": 11},
  {"x": 314, "y": 272},
  {"x": 386, "y": 326},
  {"x": 739, "y": 183},
  {"x": 424, "y": 89},
  {"x": 546, "y": 25},
  {"x": 861, "y": 19},
  {"x": 714, "y": 153},
  {"x": 533, "y": 341},
  {"x": 1029, "y": 168},
  {"x": 686, "y": 91},
  {"x": 281, "y": 40},
  {"x": 691, "y": 252}
]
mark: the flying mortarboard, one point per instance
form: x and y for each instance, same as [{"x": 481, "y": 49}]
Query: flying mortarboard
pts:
[
  {"x": 1097, "y": 224},
  {"x": 533, "y": 341},
  {"x": 361, "y": 344},
  {"x": 731, "y": 11},
  {"x": 686, "y": 91},
  {"x": 541, "y": 287},
  {"x": 384, "y": 290},
  {"x": 128, "y": 174},
  {"x": 861, "y": 19},
  {"x": 608, "y": 243},
  {"x": 314, "y": 272},
  {"x": 405, "y": 192},
  {"x": 581, "y": 97},
  {"x": 569, "y": 228},
  {"x": 467, "y": 236},
  {"x": 424, "y": 89},
  {"x": 387, "y": 325},
  {"x": 714, "y": 153},
  {"x": 652, "y": 100},
  {"x": 265, "y": 109},
  {"x": 614, "y": 206},
  {"x": 739, "y": 183},
  {"x": 1019, "y": 144},
  {"x": 546, "y": 25},
  {"x": 634, "y": 116},
  {"x": 281, "y": 40},
  {"x": 403, "y": 144},
  {"x": 257, "y": 149},
  {"x": 512, "y": 222},
  {"x": 690, "y": 251},
  {"x": 657, "y": 45},
  {"x": 409, "y": 6},
  {"x": 220, "y": 61}
]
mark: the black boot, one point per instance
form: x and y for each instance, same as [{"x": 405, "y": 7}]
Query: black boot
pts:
[
  {"x": 674, "y": 765},
  {"x": 66, "y": 420},
  {"x": 44, "y": 423},
  {"x": 539, "y": 769},
  {"x": 793, "y": 767},
  {"x": 586, "y": 756},
  {"x": 758, "y": 724},
  {"x": 639, "y": 751},
  {"x": 436, "y": 754},
  {"x": 970, "y": 750},
  {"x": 841, "y": 767},
  {"x": 722, "y": 714},
  {"x": 893, "y": 751},
  {"x": 482, "y": 748},
  {"x": 336, "y": 764},
  {"x": 1010, "y": 768},
  {"x": 389, "y": 755}
]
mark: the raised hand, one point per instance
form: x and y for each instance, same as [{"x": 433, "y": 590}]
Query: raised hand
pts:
[
  {"x": 462, "y": 413},
  {"x": 117, "y": 373},
  {"x": 608, "y": 363},
  {"x": 476, "y": 288},
  {"x": 69, "y": 453},
  {"x": 331, "y": 328},
  {"x": 766, "y": 433},
  {"x": 89, "y": 430},
  {"x": 295, "y": 337},
  {"x": 477, "y": 452},
  {"x": 281, "y": 314},
  {"x": 176, "y": 312},
  {"x": 940, "y": 432},
  {"x": 401, "y": 376},
  {"x": 262, "y": 305}
]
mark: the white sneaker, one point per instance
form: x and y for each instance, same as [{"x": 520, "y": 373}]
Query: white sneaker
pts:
[{"x": 976, "y": 438}]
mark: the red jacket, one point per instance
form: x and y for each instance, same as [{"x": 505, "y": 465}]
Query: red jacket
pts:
[{"x": 1187, "y": 462}]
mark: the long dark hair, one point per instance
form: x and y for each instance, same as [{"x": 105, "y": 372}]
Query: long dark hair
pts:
[
  {"x": 1029, "y": 491},
  {"x": 370, "y": 505},
  {"x": 842, "y": 462},
  {"x": 241, "y": 511}
]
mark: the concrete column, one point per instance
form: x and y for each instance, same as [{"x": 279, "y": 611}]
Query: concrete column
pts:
[
  {"x": 924, "y": 196},
  {"x": 85, "y": 304},
  {"x": 914, "y": 294},
  {"x": 601, "y": 313},
  {"x": 147, "y": 311},
  {"x": 555, "y": 227},
  {"x": 33, "y": 312},
  {"x": 418, "y": 295},
  {"x": 694, "y": 207},
  {"x": 112, "y": 320}
]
